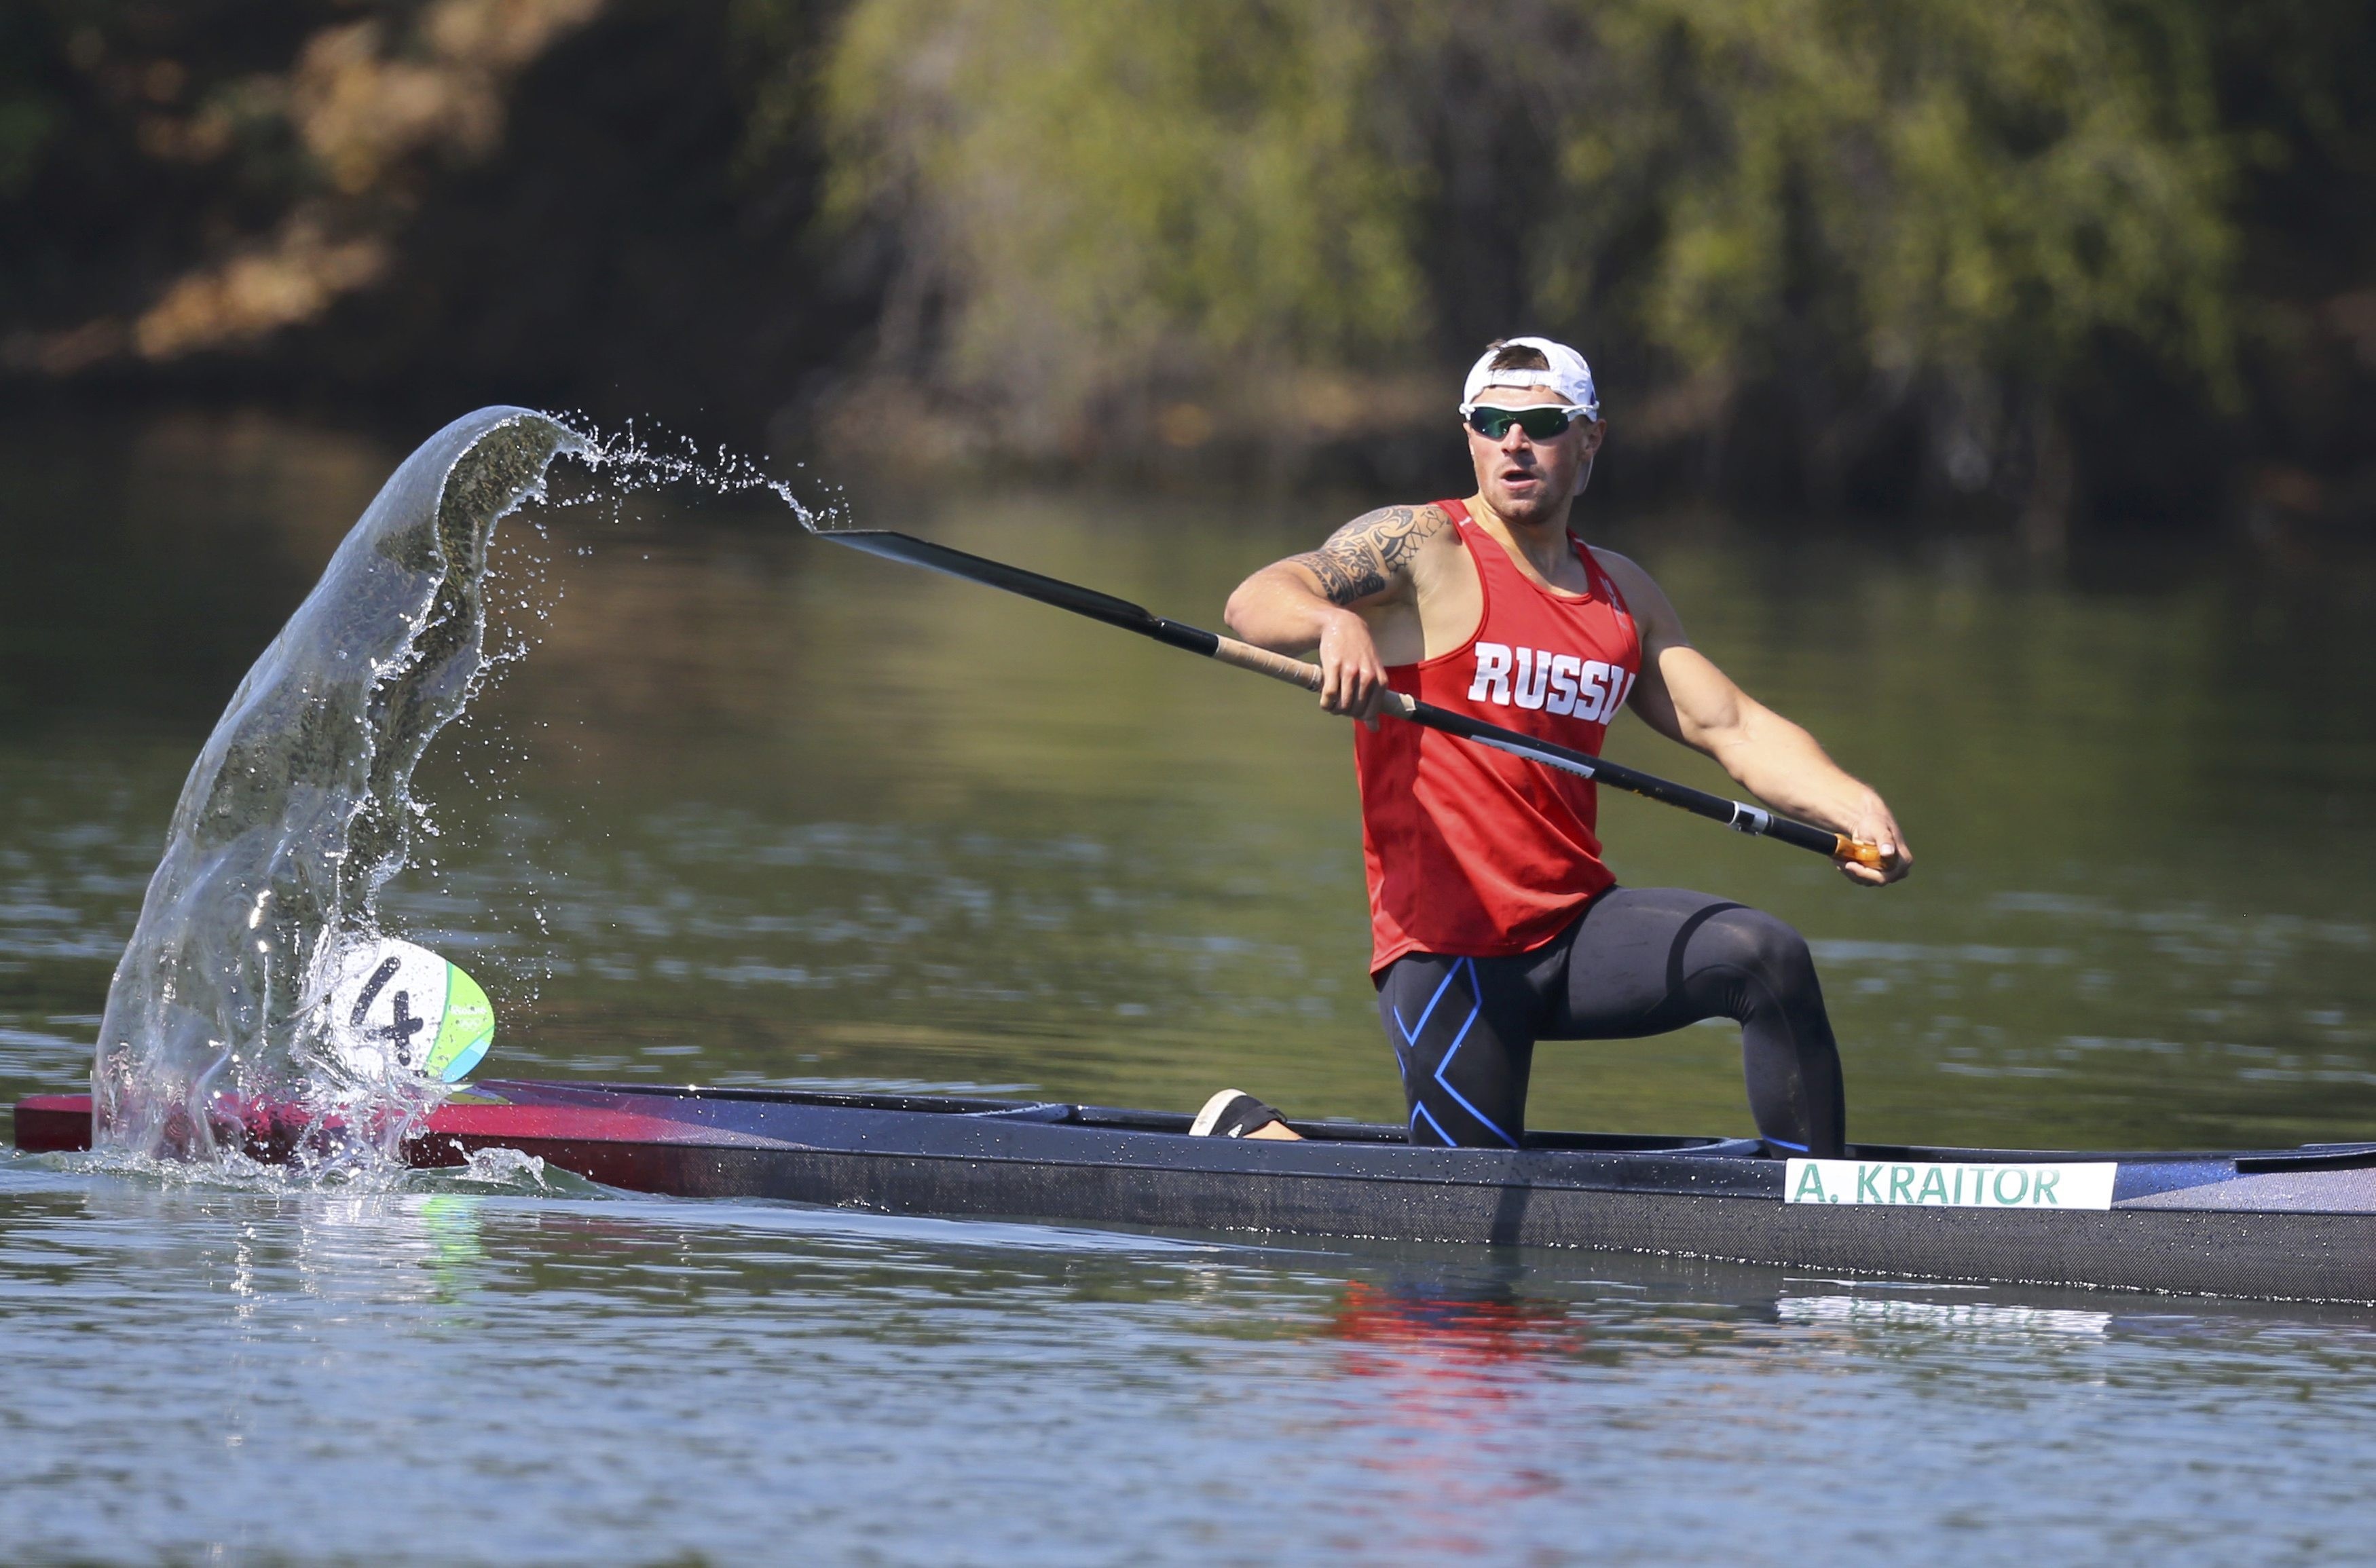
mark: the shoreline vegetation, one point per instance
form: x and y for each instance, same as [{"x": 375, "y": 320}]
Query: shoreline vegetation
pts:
[{"x": 2066, "y": 267}]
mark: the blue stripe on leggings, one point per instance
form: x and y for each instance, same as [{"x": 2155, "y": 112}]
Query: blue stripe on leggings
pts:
[
  {"x": 1476, "y": 1011},
  {"x": 1412, "y": 1032}
]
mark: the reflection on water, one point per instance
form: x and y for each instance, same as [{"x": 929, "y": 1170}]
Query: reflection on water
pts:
[
  {"x": 761, "y": 811},
  {"x": 1944, "y": 1317}
]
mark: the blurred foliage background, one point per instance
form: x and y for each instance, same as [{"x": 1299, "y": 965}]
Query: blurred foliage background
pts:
[{"x": 2058, "y": 265}]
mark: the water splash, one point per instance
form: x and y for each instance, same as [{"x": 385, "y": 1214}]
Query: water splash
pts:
[
  {"x": 299, "y": 809},
  {"x": 633, "y": 460},
  {"x": 216, "y": 1042},
  {"x": 357, "y": 1171}
]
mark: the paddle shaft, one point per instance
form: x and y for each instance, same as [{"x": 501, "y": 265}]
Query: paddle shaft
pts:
[{"x": 1737, "y": 814}]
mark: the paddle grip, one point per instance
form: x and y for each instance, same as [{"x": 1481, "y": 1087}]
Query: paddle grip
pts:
[
  {"x": 1295, "y": 671},
  {"x": 1261, "y": 662},
  {"x": 1823, "y": 841},
  {"x": 1860, "y": 851}
]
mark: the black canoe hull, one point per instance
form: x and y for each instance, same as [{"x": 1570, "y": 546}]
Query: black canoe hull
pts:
[
  {"x": 2297, "y": 1225},
  {"x": 2286, "y": 1256}
]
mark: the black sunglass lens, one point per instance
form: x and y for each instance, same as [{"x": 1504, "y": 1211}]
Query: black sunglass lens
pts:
[{"x": 1540, "y": 424}]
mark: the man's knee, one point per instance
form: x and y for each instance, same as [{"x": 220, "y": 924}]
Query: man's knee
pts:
[{"x": 1758, "y": 944}]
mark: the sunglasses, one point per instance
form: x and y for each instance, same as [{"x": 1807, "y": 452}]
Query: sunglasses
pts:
[{"x": 1544, "y": 421}]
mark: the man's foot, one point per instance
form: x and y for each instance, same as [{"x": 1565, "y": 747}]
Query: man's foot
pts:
[{"x": 1233, "y": 1113}]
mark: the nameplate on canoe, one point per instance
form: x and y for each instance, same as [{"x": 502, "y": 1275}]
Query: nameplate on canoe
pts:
[{"x": 1922, "y": 1183}]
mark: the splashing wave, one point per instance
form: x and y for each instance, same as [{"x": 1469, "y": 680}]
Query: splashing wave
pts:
[{"x": 299, "y": 808}]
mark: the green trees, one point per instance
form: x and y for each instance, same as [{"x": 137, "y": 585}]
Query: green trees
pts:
[
  {"x": 1096, "y": 201},
  {"x": 2053, "y": 260},
  {"x": 1866, "y": 220}
]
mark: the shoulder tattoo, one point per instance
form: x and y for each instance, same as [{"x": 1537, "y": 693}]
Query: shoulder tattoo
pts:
[{"x": 1361, "y": 558}]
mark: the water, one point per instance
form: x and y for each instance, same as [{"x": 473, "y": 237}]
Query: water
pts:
[
  {"x": 445, "y": 1377},
  {"x": 761, "y": 811}
]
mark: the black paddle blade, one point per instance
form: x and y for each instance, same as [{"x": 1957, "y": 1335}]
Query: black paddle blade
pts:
[{"x": 1030, "y": 585}]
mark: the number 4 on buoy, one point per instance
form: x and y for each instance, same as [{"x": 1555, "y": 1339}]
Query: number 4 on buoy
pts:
[{"x": 399, "y": 1009}]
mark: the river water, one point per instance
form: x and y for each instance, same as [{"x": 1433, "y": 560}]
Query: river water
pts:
[{"x": 755, "y": 810}]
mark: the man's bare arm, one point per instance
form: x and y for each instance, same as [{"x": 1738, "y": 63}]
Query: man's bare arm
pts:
[
  {"x": 1310, "y": 601},
  {"x": 1684, "y": 697},
  {"x": 1370, "y": 557},
  {"x": 1284, "y": 605}
]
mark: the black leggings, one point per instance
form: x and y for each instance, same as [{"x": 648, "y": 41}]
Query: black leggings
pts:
[{"x": 1638, "y": 961}]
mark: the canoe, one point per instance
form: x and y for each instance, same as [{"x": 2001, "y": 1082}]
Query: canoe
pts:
[{"x": 2289, "y": 1224}]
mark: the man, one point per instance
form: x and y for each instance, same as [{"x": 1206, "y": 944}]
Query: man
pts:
[{"x": 1494, "y": 921}]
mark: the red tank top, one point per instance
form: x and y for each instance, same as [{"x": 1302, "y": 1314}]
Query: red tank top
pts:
[{"x": 1473, "y": 851}]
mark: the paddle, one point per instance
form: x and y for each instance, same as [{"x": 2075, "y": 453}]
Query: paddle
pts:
[{"x": 1754, "y": 820}]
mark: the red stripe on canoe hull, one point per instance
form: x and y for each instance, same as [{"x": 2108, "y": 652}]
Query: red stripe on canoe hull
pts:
[{"x": 52, "y": 1124}]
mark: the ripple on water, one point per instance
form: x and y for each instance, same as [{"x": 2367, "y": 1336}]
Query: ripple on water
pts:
[{"x": 606, "y": 1377}]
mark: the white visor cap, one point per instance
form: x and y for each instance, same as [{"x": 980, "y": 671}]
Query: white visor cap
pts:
[{"x": 1569, "y": 376}]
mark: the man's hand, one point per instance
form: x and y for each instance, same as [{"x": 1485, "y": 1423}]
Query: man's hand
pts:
[
  {"x": 1352, "y": 681},
  {"x": 1871, "y": 824},
  {"x": 1336, "y": 600}
]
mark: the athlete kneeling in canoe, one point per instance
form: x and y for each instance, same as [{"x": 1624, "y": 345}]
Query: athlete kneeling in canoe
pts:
[{"x": 1495, "y": 923}]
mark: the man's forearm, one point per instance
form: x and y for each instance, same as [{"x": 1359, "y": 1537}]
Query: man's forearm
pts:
[
  {"x": 1781, "y": 763},
  {"x": 1277, "y": 609}
]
